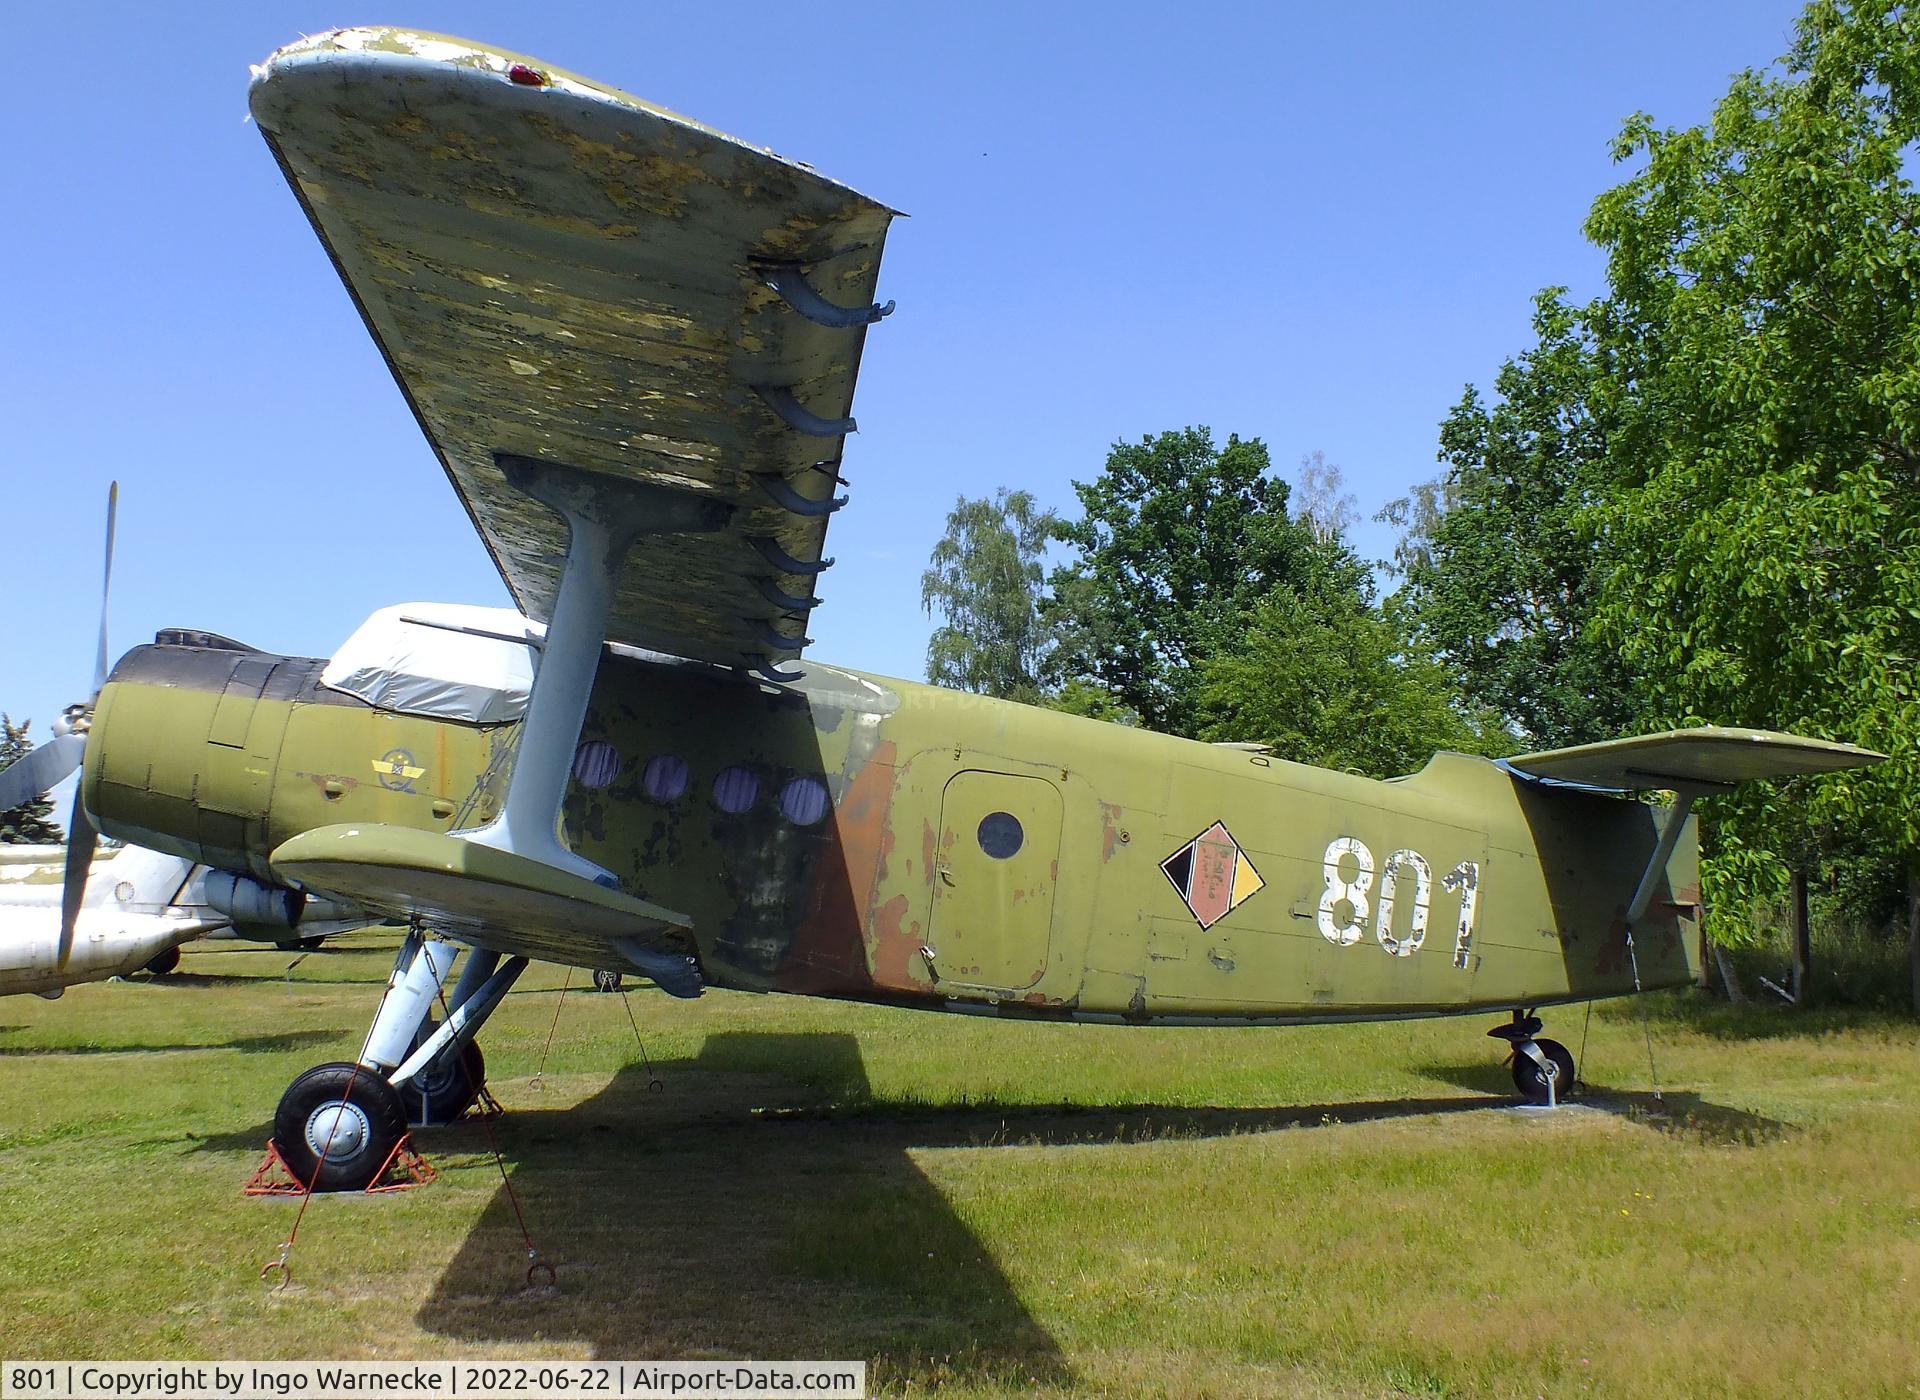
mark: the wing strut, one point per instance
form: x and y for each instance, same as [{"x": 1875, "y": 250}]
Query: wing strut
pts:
[
  {"x": 1670, "y": 829},
  {"x": 604, "y": 516}
]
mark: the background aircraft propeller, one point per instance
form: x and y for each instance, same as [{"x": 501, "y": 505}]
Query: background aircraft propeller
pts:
[{"x": 23, "y": 781}]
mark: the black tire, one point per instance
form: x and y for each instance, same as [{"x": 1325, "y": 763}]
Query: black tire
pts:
[
  {"x": 1531, "y": 1081},
  {"x": 607, "y": 979},
  {"x": 165, "y": 961},
  {"x": 445, "y": 1089},
  {"x": 357, "y": 1145}
]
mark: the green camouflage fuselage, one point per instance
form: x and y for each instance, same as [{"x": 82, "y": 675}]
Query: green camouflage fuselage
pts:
[{"x": 857, "y": 837}]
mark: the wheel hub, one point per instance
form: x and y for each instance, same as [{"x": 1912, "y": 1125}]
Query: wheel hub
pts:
[{"x": 338, "y": 1131}]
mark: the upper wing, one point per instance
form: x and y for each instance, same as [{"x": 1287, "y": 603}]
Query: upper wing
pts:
[
  {"x": 1706, "y": 757},
  {"x": 557, "y": 270}
]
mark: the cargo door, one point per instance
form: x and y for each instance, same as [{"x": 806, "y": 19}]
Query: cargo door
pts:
[{"x": 995, "y": 872}]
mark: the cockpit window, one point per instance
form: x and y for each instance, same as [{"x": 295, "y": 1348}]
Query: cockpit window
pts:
[{"x": 441, "y": 660}]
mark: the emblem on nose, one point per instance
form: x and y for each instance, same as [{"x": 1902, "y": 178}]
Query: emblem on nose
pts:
[{"x": 396, "y": 770}]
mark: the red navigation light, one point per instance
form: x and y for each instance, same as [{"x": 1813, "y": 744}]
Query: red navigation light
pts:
[{"x": 525, "y": 76}]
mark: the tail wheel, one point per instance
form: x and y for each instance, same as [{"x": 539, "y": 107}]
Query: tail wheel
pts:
[
  {"x": 1533, "y": 1081},
  {"x": 606, "y": 980},
  {"x": 165, "y": 961},
  {"x": 446, "y": 1088},
  {"x": 337, "y": 1125}
]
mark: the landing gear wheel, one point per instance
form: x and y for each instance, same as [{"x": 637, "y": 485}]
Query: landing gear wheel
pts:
[
  {"x": 1532, "y": 1081},
  {"x": 607, "y": 980},
  {"x": 165, "y": 961},
  {"x": 356, "y": 1127},
  {"x": 445, "y": 1089}
]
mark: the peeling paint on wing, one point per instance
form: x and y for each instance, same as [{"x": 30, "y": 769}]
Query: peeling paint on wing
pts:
[{"x": 573, "y": 280}]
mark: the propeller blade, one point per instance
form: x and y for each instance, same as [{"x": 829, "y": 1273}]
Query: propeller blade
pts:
[
  {"x": 106, "y": 584},
  {"x": 81, "y": 840},
  {"x": 26, "y": 778}
]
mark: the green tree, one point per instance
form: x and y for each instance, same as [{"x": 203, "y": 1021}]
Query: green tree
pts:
[
  {"x": 1499, "y": 579},
  {"x": 1330, "y": 681},
  {"x": 1416, "y": 515},
  {"x": 31, "y": 824},
  {"x": 1179, "y": 542},
  {"x": 984, "y": 579},
  {"x": 1090, "y": 700},
  {"x": 1320, "y": 497},
  {"x": 1761, "y": 348}
]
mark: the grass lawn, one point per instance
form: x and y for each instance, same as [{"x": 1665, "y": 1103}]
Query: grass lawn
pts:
[{"x": 983, "y": 1208}]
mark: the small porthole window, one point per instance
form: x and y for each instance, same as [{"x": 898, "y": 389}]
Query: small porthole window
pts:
[
  {"x": 734, "y": 790},
  {"x": 665, "y": 778},
  {"x": 594, "y": 763},
  {"x": 1000, "y": 834},
  {"x": 803, "y": 801}
]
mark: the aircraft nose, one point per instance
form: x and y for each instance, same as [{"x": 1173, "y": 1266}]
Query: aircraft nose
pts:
[{"x": 182, "y": 753}]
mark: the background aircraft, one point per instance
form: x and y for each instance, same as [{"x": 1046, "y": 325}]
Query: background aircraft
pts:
[{"x": 138, "y": 908}]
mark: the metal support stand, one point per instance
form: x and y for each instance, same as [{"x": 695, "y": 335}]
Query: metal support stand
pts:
[{"x": 404, "y": 1169}]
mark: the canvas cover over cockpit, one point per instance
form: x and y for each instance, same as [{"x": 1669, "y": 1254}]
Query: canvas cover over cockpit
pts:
[{"x": 443, "y": 660}]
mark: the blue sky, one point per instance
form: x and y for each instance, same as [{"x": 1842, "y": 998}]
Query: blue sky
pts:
[{"x": 1311, "y": 225}]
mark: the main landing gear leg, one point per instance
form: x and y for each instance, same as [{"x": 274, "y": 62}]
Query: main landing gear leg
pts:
[
  {"x": 1543, "y": 1070},
  {"x": 337, "y": 1124}
]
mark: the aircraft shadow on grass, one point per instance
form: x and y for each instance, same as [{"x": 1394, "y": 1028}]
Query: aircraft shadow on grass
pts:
[
  {"x": 712, "y": 1220},
  {"x": 1675, "y": 1112},
  {"x": 276, "y": 1042},
  {"x": 767, "y": 1205}
]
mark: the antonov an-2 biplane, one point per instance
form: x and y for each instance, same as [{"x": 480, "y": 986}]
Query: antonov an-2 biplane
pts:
[{"x": 632, "y": 341}]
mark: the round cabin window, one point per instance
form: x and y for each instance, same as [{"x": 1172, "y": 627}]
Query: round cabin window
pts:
[
  {"x": 1000, "y": 834},
  {"x": 595, "y": 763},
  {"x": 803, "y": 801},
  {"x": 665, "y": 778},
  {"x": 734, "y": 790}
]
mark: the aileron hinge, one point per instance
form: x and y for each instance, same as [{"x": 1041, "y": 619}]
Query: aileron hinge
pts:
[
  {"x": 770, "y": 550},
  {"x": 780, "y": 598},
  {"x": 768, "y": 671},
  {"x": 783, "y": 495},
  {"x": 791, "y": 282},
  {"x": 797, "y": 416},
  {"x": 779, "y": 641}
]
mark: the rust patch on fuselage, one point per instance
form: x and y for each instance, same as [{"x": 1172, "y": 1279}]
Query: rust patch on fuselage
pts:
[
  {"x": 895, "y": 947},
  {"x": 828, "y": 954}
]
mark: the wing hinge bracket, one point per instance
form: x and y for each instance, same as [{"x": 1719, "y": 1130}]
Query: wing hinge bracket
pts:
[
  {"x": 781, "y": 492},
  {"x": 780, "y": 598},
  {"x": 800, "y": 418},
  {"x": 771, "y": 551},
  {"x": 791, "y": 282}
]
